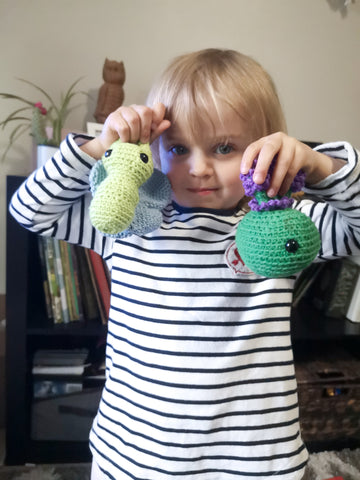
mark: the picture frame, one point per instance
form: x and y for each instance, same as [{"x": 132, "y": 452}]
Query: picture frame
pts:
[{"x": 94, "y": 129}]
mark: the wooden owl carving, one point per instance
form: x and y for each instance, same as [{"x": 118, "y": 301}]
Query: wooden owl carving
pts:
[{"x": 111, "y": 93}]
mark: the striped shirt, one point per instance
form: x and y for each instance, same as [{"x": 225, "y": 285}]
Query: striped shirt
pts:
[{"x": 200, "y": 380}]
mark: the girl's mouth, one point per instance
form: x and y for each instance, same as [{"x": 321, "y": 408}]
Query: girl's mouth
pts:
[{"x": 202, "y": 191}]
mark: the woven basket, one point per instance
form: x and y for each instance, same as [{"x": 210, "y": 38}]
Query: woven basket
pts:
[{"x": 329, "y": 397}]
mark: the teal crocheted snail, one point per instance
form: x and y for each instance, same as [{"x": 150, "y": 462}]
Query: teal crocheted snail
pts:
[
  {"x": 273, "y": 239},
  {"x": 128, "y": 193}
]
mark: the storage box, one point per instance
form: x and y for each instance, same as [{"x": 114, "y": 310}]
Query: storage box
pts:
[
  {"x": 65, "y": 417},
  {"x": 329, "y": 397}
]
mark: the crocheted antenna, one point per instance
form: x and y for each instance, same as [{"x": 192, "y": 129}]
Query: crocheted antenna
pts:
[
  {"x": 128, "y": 194},
  {"x": 273, "y": 239}
]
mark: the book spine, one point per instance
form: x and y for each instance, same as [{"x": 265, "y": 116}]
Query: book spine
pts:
[
  {"x": 95, "y": 286},
  {"x": 74, "y": 273},
  {"x": 68, "y": 280},
  {"x": 87, "y": 289},
  {"x": 61, "y": 282},
  {"x": 45, "y": 282},
  {"x": 101, "y": 281},
  {"x": 52, "y": 280}
]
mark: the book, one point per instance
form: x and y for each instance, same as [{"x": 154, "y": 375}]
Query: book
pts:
[
  {"x": 93, "y": 280},
  {"x": 49, "y": 253},
  {"x": 44, "y": 276},
  {"x": 107, "y": 273},
  {"x": 70, "y": 295},
  {"x": 59, "y": 362},
  {"x": 74, "y": 269},
  {"x": 59, "y": 272},
  {"x": 71, "y": 282},
  {"x": 53, "y": 388},
  {"x": 86, "y": 284},
  {"x": 67, "y": 370},
  {"x": 60, "y": 356},
  {"x": 102, "y": 283}
]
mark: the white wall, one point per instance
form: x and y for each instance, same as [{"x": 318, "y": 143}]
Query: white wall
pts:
[{"x": 310, "y": 47}]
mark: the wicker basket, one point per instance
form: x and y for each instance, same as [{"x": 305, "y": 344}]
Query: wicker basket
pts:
[{"x": 329, "y": 397}]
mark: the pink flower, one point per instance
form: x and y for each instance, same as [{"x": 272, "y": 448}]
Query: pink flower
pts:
[{"x": 42, "y": 109}]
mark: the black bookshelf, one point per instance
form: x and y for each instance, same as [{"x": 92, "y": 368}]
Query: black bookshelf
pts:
[{"x": 29, "y": 329}]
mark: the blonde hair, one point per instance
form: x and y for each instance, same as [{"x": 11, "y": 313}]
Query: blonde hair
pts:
[{"x": 213, "y": 78}]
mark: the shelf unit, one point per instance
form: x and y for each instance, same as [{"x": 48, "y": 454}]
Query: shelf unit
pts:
[{"x": 29, "y": 329}]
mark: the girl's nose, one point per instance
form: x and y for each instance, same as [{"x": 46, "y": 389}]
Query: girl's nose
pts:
[{"x": 200, "y": 164}]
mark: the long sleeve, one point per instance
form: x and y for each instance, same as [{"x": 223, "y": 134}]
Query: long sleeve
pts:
[
  {"x": 336, "y": 210},
  {"x": 54, "y": 200}
]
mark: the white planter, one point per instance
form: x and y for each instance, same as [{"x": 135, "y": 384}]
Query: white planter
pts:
[{"x": 43, "y": 153}]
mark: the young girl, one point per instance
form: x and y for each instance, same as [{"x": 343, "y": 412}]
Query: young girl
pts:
[{"x": 200, "y": 376}]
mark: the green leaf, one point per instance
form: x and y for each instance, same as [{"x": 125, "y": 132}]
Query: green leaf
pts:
[
  {"x": 13, "y": 116},
  {"x": 15, "y": 135},
  {"x": 9, "y": 96},
  {"x": 39, "y": 89}
]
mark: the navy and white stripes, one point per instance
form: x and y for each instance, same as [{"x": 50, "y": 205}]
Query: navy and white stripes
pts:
[{"x": 200, "y": 375}]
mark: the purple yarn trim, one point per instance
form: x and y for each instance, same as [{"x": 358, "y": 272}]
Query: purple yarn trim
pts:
[
  {"x": 272, "y": 204},
  {"x": 251, "y": 188},
  {"x": 298, "y": 182}
]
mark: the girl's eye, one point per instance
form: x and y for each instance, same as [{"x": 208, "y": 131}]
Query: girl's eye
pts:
[
  {"x": 224, "y": 149},
  {"x": 178, "y": 150}
]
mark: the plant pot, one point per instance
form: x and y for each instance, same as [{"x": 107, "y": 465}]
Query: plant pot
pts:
[{"x": 43, "y": 153}]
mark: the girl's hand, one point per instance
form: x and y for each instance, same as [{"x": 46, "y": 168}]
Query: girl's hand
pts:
[
  {"x": 292, "y": 156},
  {"x": 136, "y": 123}
]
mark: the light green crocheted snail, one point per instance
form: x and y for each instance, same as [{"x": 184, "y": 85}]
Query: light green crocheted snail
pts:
[
  {"x": 273, "y": 239},
  {"x": 127, "y": 166}
]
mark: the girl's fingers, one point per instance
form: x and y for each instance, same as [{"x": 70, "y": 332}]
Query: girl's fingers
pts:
[
  {"x": 159, "y": 129},
  {"x": 145, "y": 116},
  {"x": 263, "y": 151},
  {"x": 284, "y": 171},
  {"x": 139, "y": 123},
  {"x": 249, "y": 155},
  {"x": 129, "y": 124},
  {"x": 159, "y": 111},
  {"x": 159, "y": 124},
  {"x": 268, "y": 152},
  {"x": 289, "y": 159}
]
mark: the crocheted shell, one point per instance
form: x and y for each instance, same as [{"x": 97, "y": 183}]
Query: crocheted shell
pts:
[{"x": 277, "y": 243}]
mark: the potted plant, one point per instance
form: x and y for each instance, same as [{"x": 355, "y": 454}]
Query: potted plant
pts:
[{"x": 44, "y": 124}]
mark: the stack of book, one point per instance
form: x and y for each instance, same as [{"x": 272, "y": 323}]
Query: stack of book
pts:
[
  {"x": 66, "y": 393},
  {"x": 76, "y": 282},
  {"x": 58, "y": 372}
]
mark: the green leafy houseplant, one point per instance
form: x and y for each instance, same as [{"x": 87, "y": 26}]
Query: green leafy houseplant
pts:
[{"x": 34, "y": 117}]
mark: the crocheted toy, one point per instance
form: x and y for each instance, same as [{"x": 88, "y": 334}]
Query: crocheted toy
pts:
[
  {"x": 273, "y": 239},
  {"x": 128, "y": 193}
]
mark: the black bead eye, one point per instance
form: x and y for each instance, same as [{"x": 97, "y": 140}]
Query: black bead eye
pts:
[
  {"x": 144, "y": 157},
  {"x": 108, "y": 153},
  {"x": 291, "y": 245}
]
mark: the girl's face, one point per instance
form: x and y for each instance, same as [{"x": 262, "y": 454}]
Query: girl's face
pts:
[{"x": 204, "y": 169}]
